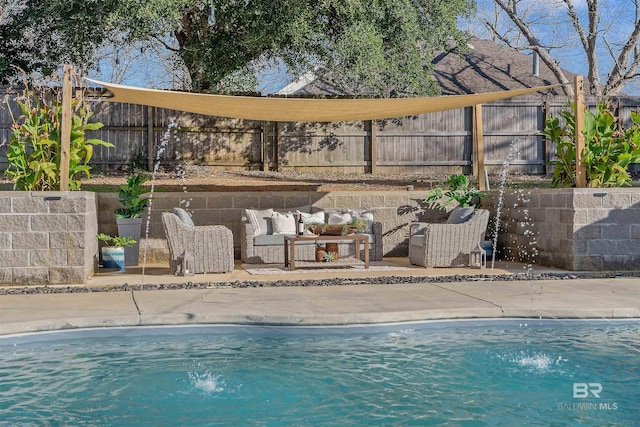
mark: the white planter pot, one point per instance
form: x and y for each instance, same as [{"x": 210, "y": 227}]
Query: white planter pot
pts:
[
  {"x": 130, "y": 227},
  {"x": 113, "y": 257}
]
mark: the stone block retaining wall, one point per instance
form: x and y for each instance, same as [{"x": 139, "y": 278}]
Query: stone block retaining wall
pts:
[
  {"x": 575, "y": 229},
  {"x": 47, "y": 237},
  {"x": 395, "y": 209}
]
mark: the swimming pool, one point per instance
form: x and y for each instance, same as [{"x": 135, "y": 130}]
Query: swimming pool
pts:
[{"x": 491, "y": 372}]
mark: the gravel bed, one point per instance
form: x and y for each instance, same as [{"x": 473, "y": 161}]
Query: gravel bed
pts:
[{"x": 387, "y": 280}]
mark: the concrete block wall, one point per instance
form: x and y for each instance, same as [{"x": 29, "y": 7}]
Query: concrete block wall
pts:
[
  {"x": 574, "y": 229},
  {"x": 47, "y": 237},
  {"x": 395, "y": 209}
]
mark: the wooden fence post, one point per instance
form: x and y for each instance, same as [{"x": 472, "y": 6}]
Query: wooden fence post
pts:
[
  {"x": 581, "y": 174},
  {"x": 478, "y": 147},
  {"x": 263, "y": 147},
  {"x": 373, "y": 147},
  {"x": 545, "y": 141},
  {"x": 150, "y": 140},
  {"x": 65, "y": 131},
  {"x": 276, "y": 145}
]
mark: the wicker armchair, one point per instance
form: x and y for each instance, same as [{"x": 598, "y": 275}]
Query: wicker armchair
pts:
[
  {"x": 211, "y": 246},
  {"x": 446, "y": 245}
]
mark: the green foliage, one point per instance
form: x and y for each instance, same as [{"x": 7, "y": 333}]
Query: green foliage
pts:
[
  {"x": 38, "y": 36},
  {"x": 34, "y": 148},
  {"x": 116, "y": 241},
  {"x": 129, "y": 196},
  {"x": 330, "y": 257},
  {"x": 609, "y": 148},
  {"x": 364, "y": 47},
  {"x": 458, "y": 191}
]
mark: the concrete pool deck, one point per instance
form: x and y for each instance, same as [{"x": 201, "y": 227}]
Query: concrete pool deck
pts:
[{"x": 476, "y": 297}]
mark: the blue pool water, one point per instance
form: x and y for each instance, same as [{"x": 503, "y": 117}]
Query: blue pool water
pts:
[{"x": 481, "y": 373}]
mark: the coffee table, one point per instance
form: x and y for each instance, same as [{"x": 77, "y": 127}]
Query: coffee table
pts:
[{"x": 290, "y": 245}]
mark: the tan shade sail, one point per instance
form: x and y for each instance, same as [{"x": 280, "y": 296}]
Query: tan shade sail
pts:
[{"x": 302, "y": 109}]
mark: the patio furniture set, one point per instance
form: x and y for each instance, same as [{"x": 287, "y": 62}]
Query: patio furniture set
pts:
[{"x": 271, "y": 237}]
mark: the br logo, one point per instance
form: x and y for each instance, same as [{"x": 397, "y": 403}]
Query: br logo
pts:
[{"x": 583, "y": 390}]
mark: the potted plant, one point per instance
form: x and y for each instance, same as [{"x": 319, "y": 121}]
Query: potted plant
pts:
[
  {"x": 129, "y": 216},
  {"x": 458, "y": 191},
  {"x": 113, "y": 254}
]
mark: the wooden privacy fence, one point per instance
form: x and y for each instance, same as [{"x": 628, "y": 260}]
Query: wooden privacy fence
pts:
[{"x": 436, "y": 143}]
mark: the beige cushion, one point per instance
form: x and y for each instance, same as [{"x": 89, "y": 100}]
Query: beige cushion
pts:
[
  {"x": 260, "y": 220},
  {"x": 338, "y": 219},
  {"x": 283, "y": 223},
  {"x": 314, "y": 218},
  {"x": 365, "y": 214}
]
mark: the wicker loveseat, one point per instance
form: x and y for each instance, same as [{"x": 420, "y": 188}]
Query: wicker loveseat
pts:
[
  {"x": 449, "y": 244},
  {"x": 259, "y": 244},
  {"x": 211, "y": 246}
]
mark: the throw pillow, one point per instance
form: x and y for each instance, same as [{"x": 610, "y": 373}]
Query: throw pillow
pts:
[
  {"x": 460, "y": 215},
  {"x": 260, "y": 220},
  {"x": 315, "y": 218},
  {"x": 184, "y": 217},
  {"x": 283, "y": 223},
  {"x": 335, "y": 218},
  {"x": 365, "y": 214}
]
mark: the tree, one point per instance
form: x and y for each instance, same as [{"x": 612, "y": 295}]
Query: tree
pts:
[
  {"x": 607, "y": 33},
  {"x": 365, "y": 46},
  {"x": 38, "y": 36}
]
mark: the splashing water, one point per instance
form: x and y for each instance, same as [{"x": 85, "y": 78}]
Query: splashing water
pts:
[
  {"x": 206, "y": 382},
  {"x": 503, "y": 183},
  {"x": 169, "y": 135},
  {"x": 538, "y": 362}
]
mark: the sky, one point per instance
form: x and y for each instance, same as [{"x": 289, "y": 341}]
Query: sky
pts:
[{"x": 552, "y": 27}]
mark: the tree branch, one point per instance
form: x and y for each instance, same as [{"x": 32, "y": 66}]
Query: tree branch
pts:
[
  {"x": 617, "y": 77},
  {"x": 164, "y": 43},
  {"x": 510, "y": 9}
]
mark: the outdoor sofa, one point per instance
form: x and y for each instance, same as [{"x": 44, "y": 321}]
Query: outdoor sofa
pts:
[{"x": 262, "y": 233}]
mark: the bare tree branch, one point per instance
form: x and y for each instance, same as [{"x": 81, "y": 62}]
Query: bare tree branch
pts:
[
  {"x": 509, "y": 8},
  {"x": 593, "y": 29},
  {"x": 588, "y": 40},
  {"x": 617, "y": 77}
]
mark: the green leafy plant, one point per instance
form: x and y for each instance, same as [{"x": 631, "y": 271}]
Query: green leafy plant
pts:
[
  {"x": 609, "y": 148},
  {"x": 330, "y": 257},
  {"x": 34, "y": 150},
  {"x": 133, "y": 206},
  {"x": 116, "y": 241},
  {"x": 458, "y": 191}
]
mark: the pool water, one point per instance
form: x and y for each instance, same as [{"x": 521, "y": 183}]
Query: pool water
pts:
[{"x": 480, "y": 373}]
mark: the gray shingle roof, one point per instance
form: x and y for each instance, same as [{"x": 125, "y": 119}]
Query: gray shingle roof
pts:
[
  {"x": 486, "y": 67},
  {"x": 490, "y": 67}
]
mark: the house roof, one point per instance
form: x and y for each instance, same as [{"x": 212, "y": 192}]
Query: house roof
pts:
[
  {"x": 485, "y": 67},
  {"x": 488, "y": 67}
]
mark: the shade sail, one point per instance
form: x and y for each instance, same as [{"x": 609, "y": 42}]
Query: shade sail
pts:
[{"x": 302, "y": 109}]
